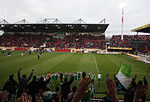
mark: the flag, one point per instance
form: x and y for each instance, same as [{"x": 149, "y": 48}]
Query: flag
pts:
[{"x": 124, "y": 75}]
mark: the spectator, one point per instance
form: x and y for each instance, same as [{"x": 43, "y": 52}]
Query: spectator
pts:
[
  {"x": 23, "y": 82},
  {"x": 48, "y": 96},
  {"x": 71, "y": 94},
  {"x": 82, "y": 90},
  {"x": 57, "y": 95},
  {"x": 11, "y": 85},
  {"x": 146, "y": 85},
  {"x": 139, "y": 42},
  {"x": 42, "y": 84},
  {"x": 32, "y": 88},
  {"x": 129, "y": 96},
  {"x": 65, "y": 88},
  {"x": 64, "y": 42},
  {"x": 3, "y": 96},
  {"x": 24, "y": 98},
  {"x": 112, "y": 90},
  {"x": 140, "y": 93}
]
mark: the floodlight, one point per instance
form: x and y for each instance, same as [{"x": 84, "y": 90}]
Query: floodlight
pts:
[{"x": 123, "y": 5}]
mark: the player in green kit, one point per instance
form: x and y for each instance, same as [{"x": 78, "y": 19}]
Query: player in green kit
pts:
[
  {"x": 70, "y": 76},
  {"x": 56, "y": 76},
  {"x": 75, "y": 76},
  {"x": 48, "y": 76},
  {"x": 90, "y": 75},
  {"x": 38, "y": 77},
  {"x": 79, "y": 75},
  {"x": 53, "y": 78},
  {"x": 93, "y": 78},
  {"x": 66, "y": 76}
]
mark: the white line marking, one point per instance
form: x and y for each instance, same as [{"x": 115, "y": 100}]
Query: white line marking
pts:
[{"x": 96, "y": 63}]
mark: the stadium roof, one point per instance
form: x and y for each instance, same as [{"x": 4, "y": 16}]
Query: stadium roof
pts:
[
  {"x": 144, "y": 29},
  {"x": 53, "y": 27}
]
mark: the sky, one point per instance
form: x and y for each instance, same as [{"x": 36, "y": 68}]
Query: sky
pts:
[{"x": 136, "y": 12}]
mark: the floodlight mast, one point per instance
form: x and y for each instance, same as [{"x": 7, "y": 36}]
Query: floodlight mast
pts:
[
  {"x": 122, "y": 6},
  {"x": 122, "y": 23}
]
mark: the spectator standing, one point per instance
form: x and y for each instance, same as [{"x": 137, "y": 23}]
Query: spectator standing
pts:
[
  {"x": 129, "y": 96},
  {"x": 146, "y": 85},
  {"x": 11, "y": 85},
  {"x": 71, "y": 94},
  {"x": 32, "y": 88},
  {"x": 42, "y": 84},
  {"x": 57, "y": 95},
  {"x": 23, "y": 82},
  {"x": 65, "y": 88}
]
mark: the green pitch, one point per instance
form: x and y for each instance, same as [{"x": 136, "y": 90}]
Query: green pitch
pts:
[{"x": 71, "y": 62}]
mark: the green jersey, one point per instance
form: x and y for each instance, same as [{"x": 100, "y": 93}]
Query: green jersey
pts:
[
  {"x": 90, "y": 75},
  {"x": 56, "y": 75},
  {"x": 66, "y": 75},
  {"x": 38, "y": 77},
  {"x": 93, "y": 77},
  {"x": 53, "y": 77},
  {"x": 79, "y": 74},
  {"x": 75, "y": 76},
  {"x": 70, "y": 76}
]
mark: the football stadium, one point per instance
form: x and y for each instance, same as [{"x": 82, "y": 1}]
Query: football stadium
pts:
[{"x": 50, "y": 61}]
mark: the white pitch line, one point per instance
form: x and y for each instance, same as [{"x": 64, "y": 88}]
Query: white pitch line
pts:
[{"x": 96, "y": 63}]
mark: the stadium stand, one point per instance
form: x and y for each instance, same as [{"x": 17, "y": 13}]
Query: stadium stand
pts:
[
  {"x": 69, "y": 41},
  {"x": 139, "y": 42}
]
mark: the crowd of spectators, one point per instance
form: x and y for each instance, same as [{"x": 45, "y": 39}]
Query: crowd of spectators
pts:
[
  {"x": 64, "y": 42},
  {"x": 37, "y": 90},
  {"x": 139, "y": 42}
]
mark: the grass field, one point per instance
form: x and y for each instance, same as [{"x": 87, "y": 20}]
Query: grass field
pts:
[{"x": 71, "y": 62}]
